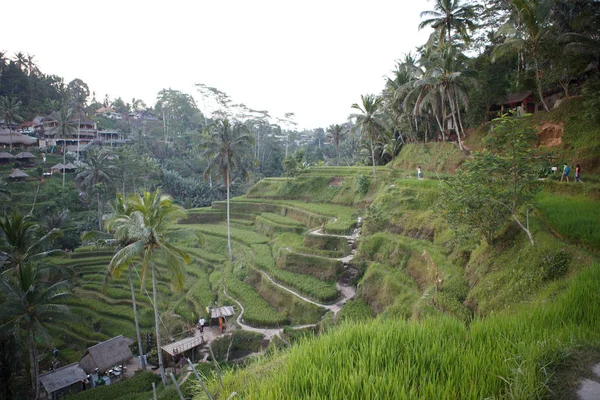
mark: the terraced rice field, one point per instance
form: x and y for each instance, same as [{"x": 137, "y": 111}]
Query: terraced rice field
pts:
[{"x": 281, "y": 275}]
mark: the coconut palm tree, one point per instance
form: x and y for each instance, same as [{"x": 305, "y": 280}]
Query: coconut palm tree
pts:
[
  {"x": 224, "y": 146},
  {"x": 65, "y": 128},
  {"x": 20, "y": 241},
  {"x": 529, "y": 34},
  {"x": 449, "y": 15},
  {"x": 446, "y": 75},
  {"x": 147, "y": 228},
  {"x": 369, "y": 121},
  {"x": 29, "y": 302},
  {"x": 117, "y": 222},
  {"x": 335, "y": 133},
  {"x": 96, "y": 171},
  {"x": 9, "y": 111}
]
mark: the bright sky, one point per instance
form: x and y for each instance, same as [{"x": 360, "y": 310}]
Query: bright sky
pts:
[{"x": 314, "y": 58}]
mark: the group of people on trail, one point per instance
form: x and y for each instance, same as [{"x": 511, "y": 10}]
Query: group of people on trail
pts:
[
  {"x": 202, "y": 322},
  {"x": 567, "y": 170}
]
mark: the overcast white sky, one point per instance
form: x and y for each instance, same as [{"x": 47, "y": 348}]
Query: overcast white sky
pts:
[{"x": 313, "y": 58}]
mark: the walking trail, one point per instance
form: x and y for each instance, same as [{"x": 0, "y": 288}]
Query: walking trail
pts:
[{"x": 346, "y": 291}]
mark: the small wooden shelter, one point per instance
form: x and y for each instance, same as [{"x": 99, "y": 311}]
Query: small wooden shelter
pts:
[
  {"x": 68, "y": 379},
  {"x": 220, "y": 312},
  {"x": 520, "y": 103},
  {"x": 57, "y": 168},
  {"x": 183, "y": 345},
  {"x": 106, "y": 355},
  {"x": 70, "y": 167},
  {"x": 6, "y": 158},
  {"x": 26, "y": 157},
  {"x": 17, "y": 175}
]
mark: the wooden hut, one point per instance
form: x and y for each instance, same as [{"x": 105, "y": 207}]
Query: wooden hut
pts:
[
  {"x": 6, "y": 158},
  {"x": 17, "y": 175},
  {"x": 106, "y": 355},
  {"x": 26, "y": 157},
  {"x": 68, "y": 379},
  {"x": 57, "y": 168},
  {"x": 70, "y": 168},
  {"x": 520, "y": 103}
]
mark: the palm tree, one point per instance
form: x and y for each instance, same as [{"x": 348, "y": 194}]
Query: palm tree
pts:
[
  {"x": 335, "y": 133},
  {"x": 448, "y": 15},
  {"x": 65, "y": 127},
  {"x": 147, "y": 228},
  {"x": 391, "y": 145},
  {"x": 3, "y": 63},
  {"x": 369, "y": 121},
  {"x": 96, "y": 170},
  {"x": 532, "y": 16},
  {"x": 30, "y": 301},
  {"x": 20, "y": 242},
  {"x": 117, "y": 223},
  {"x": 224, "y": 147},
  {"x": 9, "y": 111},
  {"x": 445, "y": 77}
]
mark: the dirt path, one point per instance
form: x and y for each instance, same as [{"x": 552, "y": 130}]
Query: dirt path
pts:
[{"x": 347, "y": 292}]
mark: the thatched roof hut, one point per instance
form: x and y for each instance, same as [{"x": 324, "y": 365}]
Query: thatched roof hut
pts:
[
  {"x": 24, "y": 156},
  {"x": 226, "y": 311},
  {"x": 107, "y": 354},
  {"x": 57, "y": 167},
  {"x": 62, "y": 378},
  {"x": 17, "y": 139},
  {"x": 17, "y": 174},
  {"x": 70, "y": 167},
  {"x": 5, "y": 158}
]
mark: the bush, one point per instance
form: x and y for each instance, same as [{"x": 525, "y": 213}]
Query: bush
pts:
[
  {"x": 362, "y": 184},
  {"x": 555, "y": 265}
]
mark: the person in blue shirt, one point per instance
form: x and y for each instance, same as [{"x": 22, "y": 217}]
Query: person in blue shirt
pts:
[{"x": 565, "y": 173}]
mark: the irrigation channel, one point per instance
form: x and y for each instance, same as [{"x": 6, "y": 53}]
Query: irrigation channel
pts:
[{"x": 343, "y": 285}]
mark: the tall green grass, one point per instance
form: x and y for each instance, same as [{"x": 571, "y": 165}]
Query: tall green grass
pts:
[
  {"x": 575, "y": 217},
  {"x": 504, "y": 356}
]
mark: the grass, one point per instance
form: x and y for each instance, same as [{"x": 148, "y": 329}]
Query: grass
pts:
[
  {"x": 325, "y": 269},
  {"x": 575, "y": 217},
  {"x": 306, "y": 285},
  {"x": 508, "y": 355}
]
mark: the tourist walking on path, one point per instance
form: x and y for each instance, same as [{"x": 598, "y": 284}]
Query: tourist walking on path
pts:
[
  {"x": 419, "y": 174},
  {"x": 201, "y": 324},
  {"x": 565, "y": 173},
  {"x": 578, "y": 174}
]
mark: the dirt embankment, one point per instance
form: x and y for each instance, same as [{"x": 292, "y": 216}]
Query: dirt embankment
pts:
[{"x": 550, "y": 134}]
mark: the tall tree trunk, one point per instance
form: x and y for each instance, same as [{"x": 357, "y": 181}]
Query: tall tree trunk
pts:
[
  {"x": 462, "y": 129},
  {"x": 437, "y": 119},
  {"x": 136, "y": 320},
  {"x": 452, "y": 111},
  {"x": 36, "y": 196},
  {"x": 99, "y": 209},
  {"x": 337, "y": 151},
  {"x": 10, "y": 136},
  {"x": 537, "y": 79},
  {"x": 33, "y": 368},
  {"x": 157, "y": 324},
  {"x": 64, "y": 160},
  {"x": 373, "y": 157},
  {"x": 228, "y": 224}
]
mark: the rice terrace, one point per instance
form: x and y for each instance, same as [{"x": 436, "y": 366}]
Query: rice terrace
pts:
[{"x": 439, "y": 240}]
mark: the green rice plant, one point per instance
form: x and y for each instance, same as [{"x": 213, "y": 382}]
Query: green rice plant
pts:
[
  {"x": 508, "y": 355},
  {"x": 332, "y": 243},
  {"x": 575, "y": 217},
  {"x": 296, "y": 243},
  {"x": 240, "y": 235},
  {"x": 307, "y": 285},
  {"x": 325, "y": 269},
  {"x": 298, "y": 311},
  {"x": 270, "y": 224}
]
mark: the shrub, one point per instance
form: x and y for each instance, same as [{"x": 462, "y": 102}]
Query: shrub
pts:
[
  {"x": 555, "y": 265},
  {"x": 363, "y": 183}
]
